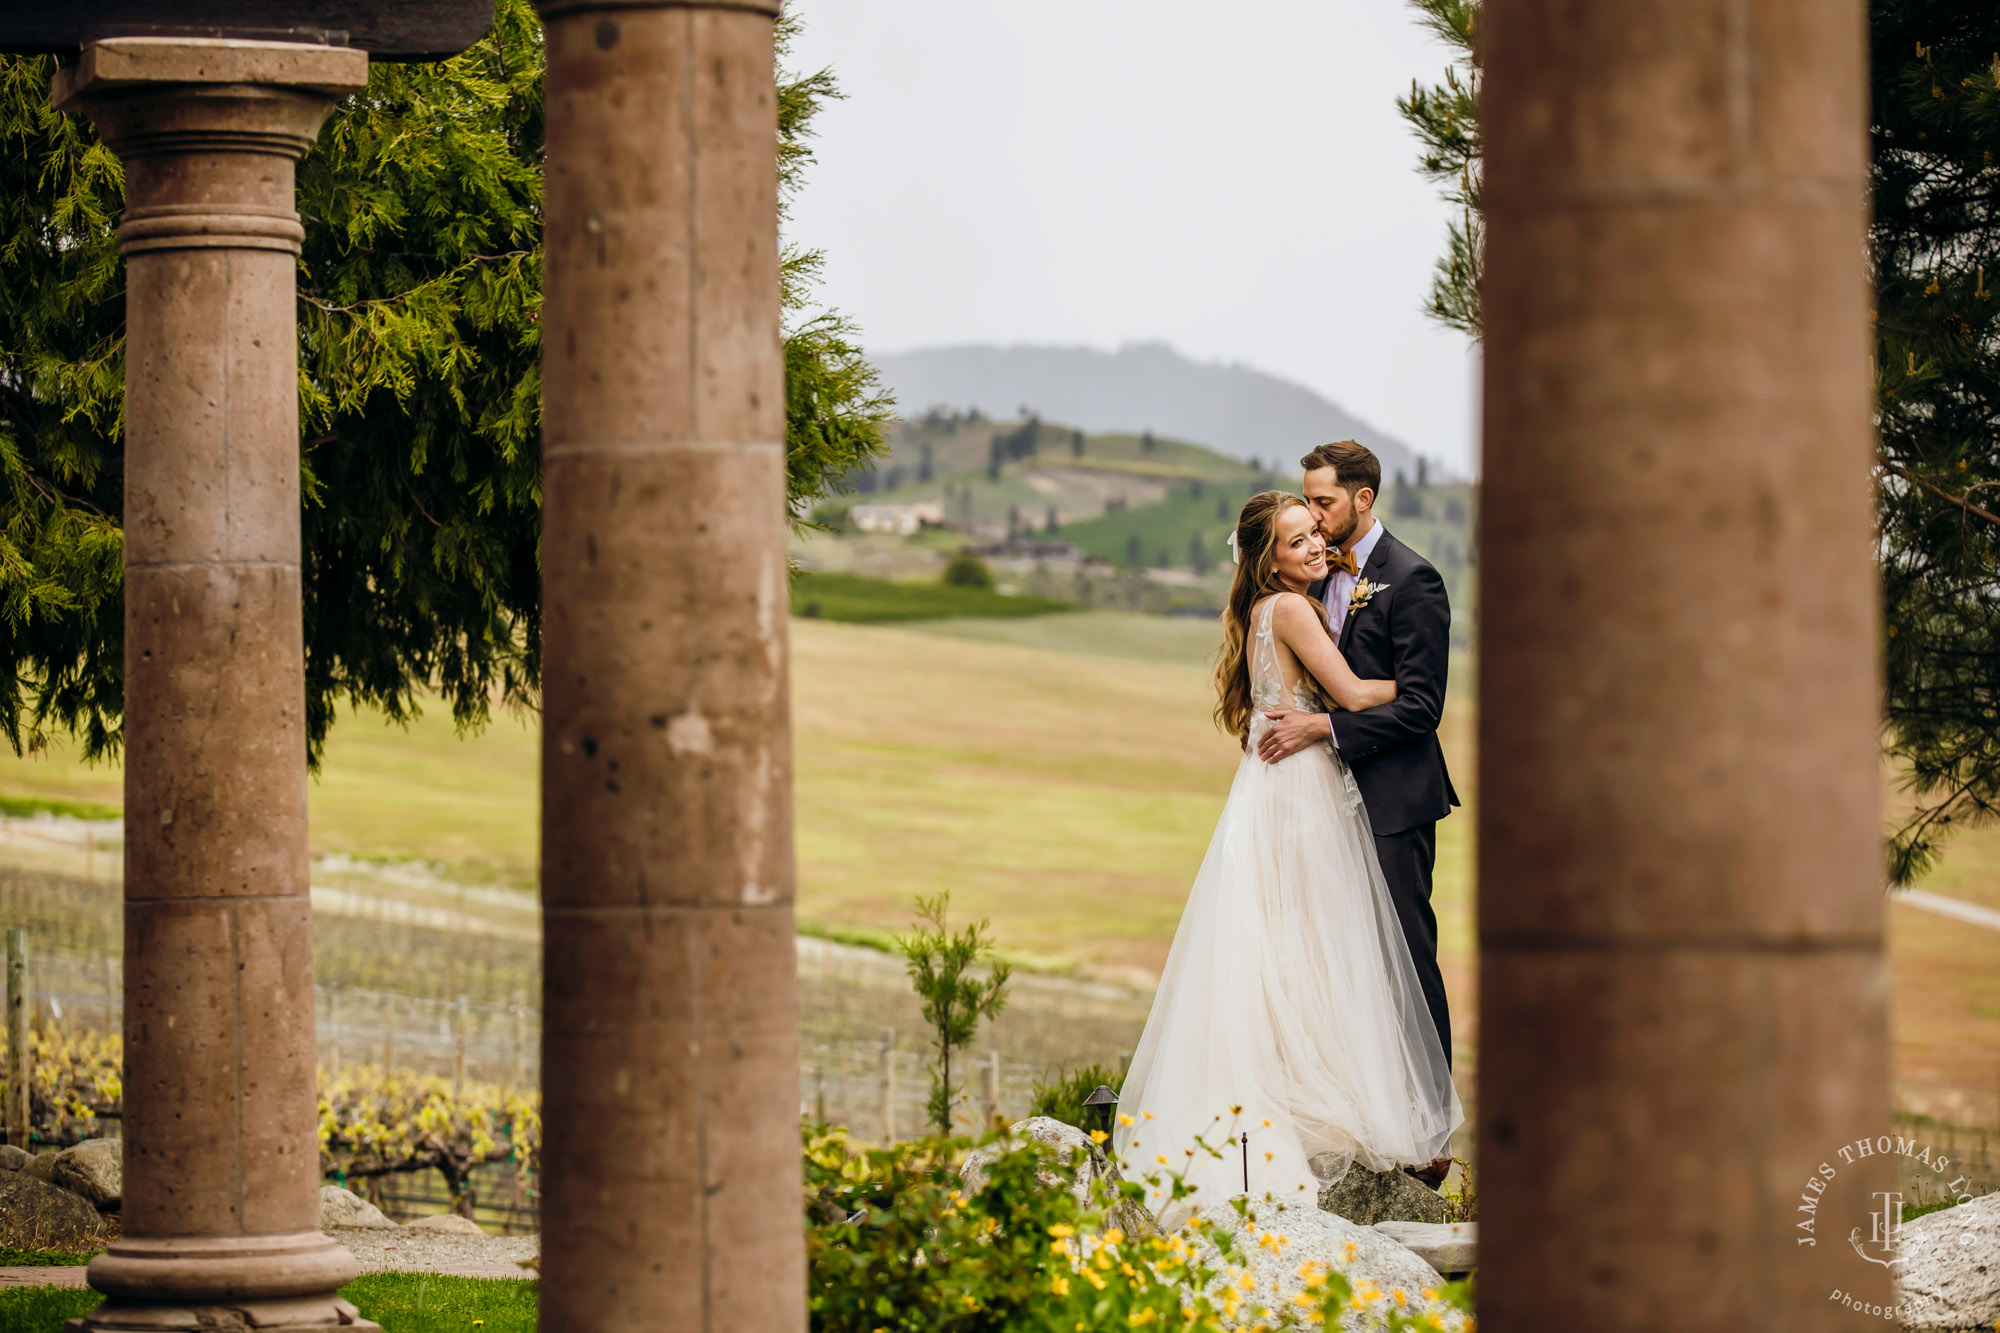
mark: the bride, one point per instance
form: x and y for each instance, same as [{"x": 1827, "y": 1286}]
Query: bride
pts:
[{"x": 1289, "y": 1009}]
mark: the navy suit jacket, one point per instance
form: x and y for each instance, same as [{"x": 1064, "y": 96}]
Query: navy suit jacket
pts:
[{"x": 1402, "y": 634}]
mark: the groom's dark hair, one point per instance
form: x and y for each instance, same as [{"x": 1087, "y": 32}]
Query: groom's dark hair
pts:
[{"x": 1354, "y": 465}]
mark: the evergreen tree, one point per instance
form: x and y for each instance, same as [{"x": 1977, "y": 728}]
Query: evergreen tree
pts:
[
  {"x": 1935, "y": 243},
  {"x": 1935, "y": 134},
  {"x": 1445, "y": 117},
  {"x": 419, "y": 295}
]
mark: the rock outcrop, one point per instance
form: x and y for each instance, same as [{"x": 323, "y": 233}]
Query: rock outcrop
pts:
[
  {"x": 450, "y": 1223},
  {"x": 36, "y": 1215},
  {"x": 1280, "y": 1241},
  {"x": 1948, "y": 1268},
  {"x": 1450, "y": 1247},
  {"x": 344, "y": 1208},
  {"x": 1369, "y": 1197},
  {"x": 95, "y": 1169},
  {"x": 1097, "y": 1176}
]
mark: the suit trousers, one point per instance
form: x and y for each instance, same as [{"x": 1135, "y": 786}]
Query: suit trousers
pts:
[{"x": 1408, "y": 858}]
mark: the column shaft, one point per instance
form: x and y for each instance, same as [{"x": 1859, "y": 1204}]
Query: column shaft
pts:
[
  {"x": 221, "y": 1153},
  {"x": 670, "y": 1047},
  {"x": 1682, "y": 978}
]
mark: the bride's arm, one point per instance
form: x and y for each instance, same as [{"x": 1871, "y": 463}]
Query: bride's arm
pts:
[{"x": 1297, "y": 622}]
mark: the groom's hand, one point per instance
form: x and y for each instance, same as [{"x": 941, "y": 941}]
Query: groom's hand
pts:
[{"x": 1292, "y": 731}]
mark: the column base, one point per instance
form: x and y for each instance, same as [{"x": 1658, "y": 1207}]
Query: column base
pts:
[
  {"x": 290, "y": 1281},
  {"x": 316, "y": 1315}
]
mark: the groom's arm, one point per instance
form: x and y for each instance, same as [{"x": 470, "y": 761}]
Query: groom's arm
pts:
[{"x": 1420, "y": 637}]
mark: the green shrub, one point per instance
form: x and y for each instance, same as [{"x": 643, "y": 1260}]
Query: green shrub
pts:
[
  {"x": 894, "y": 1246},
  {"x": 967, "y": 570},
  {"x": 1061, "y": 1094}
]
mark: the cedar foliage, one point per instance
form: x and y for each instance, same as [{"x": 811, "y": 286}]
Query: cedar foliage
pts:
[
  {"x": 419, "y": 391},
  {"x": 1934, "y": 131}
]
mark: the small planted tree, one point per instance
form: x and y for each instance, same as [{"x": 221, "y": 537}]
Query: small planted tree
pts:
[{"x": 945, "y": 972}]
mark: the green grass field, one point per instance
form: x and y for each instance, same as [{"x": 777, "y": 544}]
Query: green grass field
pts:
[
  {"x": 1057, "y": 773},
  {"x": 864, "y": 601},
  {"x": 399, "y": 1302}
]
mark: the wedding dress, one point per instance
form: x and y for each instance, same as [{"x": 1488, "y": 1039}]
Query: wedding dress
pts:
[{"x": 1289, "y": 1008}]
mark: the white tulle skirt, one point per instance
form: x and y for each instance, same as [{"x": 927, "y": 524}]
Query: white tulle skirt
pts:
[{"x": 1289, "y": 1009}]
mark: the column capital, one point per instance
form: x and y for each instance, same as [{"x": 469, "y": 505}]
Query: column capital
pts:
[{"x": 182, "y": 98}]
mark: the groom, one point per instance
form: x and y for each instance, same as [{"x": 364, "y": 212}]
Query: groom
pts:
[{"x": 1390, "y": 616}]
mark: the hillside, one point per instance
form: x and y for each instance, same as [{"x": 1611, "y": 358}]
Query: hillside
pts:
[
  {"x": 1242, "y": 413},
  {"x": 1156, "y": 511}
]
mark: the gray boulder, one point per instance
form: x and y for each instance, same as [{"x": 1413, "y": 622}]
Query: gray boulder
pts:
[
  {"x": 1097, "y": 1176},
  {"x": 1369, "y": 1197},
  {"x": 42, "y": 1166},
  {"x": 95, "y": 1169},
  {"x": 1278, "y": 1242},
  {"x": 344, "y": 1208},
  {"x": 449, "y": 1223},
  {"x": 1450, "y": 1247},
  {"x": 1948, "y": 1267},
  {"x": 13, "y": 1158},
  {"x": 37, "y": 1215}
]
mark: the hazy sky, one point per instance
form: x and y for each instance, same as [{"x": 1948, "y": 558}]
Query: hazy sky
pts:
[{"x": 1232, "y": 179}]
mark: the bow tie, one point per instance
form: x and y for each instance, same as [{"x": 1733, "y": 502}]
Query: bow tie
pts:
[{"x": 1342, "y": 562}]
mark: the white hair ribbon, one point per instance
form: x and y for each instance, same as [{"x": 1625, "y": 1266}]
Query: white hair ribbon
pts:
[{"x": 1235, "y": 551}]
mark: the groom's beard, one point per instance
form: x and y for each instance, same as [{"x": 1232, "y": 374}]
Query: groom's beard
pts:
[{"x": 1339, "y": 537}]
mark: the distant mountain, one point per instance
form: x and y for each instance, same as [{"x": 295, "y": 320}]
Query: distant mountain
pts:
[{"x": 1232, "y": 409}]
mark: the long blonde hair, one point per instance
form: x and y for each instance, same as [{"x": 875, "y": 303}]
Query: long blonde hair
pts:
[{"x": 1256, "y": 577}]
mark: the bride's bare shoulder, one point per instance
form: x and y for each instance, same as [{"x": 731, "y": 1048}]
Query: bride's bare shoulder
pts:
[{"x": 1295, "y": 608}]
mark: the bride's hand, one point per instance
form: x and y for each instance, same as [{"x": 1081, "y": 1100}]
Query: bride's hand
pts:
[{"x": 1290, "y": 732}]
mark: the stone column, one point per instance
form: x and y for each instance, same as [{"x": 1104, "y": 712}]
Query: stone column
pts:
[
  {"x": 221, "y": 1211},
  {"x": 1682, "y": 978},
  {"x": 671, "y": 1187}
]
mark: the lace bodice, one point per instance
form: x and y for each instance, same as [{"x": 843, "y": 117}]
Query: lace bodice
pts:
[
  {"x": 1278, "y": 681},
  {"x": 1271, "y": 685}
]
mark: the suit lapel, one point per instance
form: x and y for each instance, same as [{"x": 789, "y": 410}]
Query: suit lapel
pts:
[{"x": 1378, "y": 560}]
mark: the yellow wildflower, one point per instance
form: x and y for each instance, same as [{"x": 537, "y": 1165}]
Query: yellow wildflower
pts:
[
  {"x": 1399, "y": 1297},
  {"x": 1303, "y": 1301},
  {"x": 1093, "y": 1279},
  {"x": 1113, "y": 1236},
  {"x": 1163, "y": 1159},
  {"x": 1059, "y": 1285},
  {"x": 1062, "y": 1229},
  {"x": 1236, "y": 1110},
  {"x": 1124, "y": 1119},
  {"x": 1147, "y": 1114},
  {"x": 1098, "y": 1136},
  {"x": 1267, "y": 1124}
]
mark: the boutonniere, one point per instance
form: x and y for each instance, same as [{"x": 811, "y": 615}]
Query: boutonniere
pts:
[{"x": 1364, "y": 593}]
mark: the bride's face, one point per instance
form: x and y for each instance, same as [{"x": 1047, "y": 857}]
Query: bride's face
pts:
[{"x": 1299, "y": 550}]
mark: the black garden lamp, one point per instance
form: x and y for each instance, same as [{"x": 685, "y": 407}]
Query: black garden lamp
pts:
[{"x": 1108, "y": 1100}]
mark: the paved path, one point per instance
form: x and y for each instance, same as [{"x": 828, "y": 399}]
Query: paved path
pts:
[
  {"x": 68, "y": 1275},
  {"x": 388, "y": 1250},
  {"x": 1958, "y": 910}
]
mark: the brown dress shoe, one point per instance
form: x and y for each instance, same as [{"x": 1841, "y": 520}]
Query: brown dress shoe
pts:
[{"x": 1433, "y": 1175}]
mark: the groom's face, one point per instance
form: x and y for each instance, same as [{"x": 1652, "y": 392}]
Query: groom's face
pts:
[{"x": 1337, "y": 512}]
